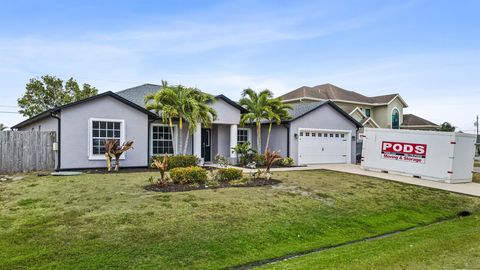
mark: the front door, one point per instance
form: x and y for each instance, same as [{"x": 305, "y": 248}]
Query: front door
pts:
[{"x": 207, "y": 144}]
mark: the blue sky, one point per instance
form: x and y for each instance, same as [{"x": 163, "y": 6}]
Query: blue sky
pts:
[{"x": 428, "y": 51}]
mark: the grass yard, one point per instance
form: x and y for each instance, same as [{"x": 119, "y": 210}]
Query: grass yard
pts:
[
  {"x": 450, "y": 245},
  {"x": 110, "y": 221},
  {"x": 476, "y": 163}
]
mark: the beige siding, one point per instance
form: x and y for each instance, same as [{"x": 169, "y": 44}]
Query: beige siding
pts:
[{"x": 380, "y": 116}]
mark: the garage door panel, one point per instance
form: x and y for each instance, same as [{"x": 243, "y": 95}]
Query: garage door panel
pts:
[{"x": 322, "y": 147}]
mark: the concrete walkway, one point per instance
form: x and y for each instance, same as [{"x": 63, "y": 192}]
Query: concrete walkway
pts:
[{"x": 472, "y": 189}]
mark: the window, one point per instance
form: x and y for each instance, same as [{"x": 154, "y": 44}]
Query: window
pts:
[
  {"x": 336, "y": 135},
  {"x": 100, "y": 131},
  {"x": 301, "y": 134},
  {"x": 314, "y": 134},
  {"x": 395, "y": 119},
  {"x": 342, "y": 135},
  {"x": 162, "y": 140},
  {"x": 307, "y": 134},
  {"x": 325, "y": 135},
  {"x": 367, "y": 112},
  {"x": 331, "y": 135},
  {"x": 243, "y": 135}
]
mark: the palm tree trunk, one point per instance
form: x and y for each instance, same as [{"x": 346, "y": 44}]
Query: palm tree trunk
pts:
[
  {"x": 186, "y": 142},
  {"x": 180, "y": 140},
  {"x": 117, "y": 164},
  {"x": 259, "y": 136},
  {"x": 172, "y": 131},
  {"x": 268, "y": 136}
]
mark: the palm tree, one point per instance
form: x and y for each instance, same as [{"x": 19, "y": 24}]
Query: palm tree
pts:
[
  {"x": 257, "y": 104},
  {"x": 184, "y": 103},
  {"x": 198, "y": 111},
  {"x": 276, "y": 112},
  {"x": 2, "y": 127},
  {"x": 163, "y": 102}
]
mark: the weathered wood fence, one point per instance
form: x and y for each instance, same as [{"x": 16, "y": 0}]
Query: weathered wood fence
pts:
[{"x": 25, "y": 151}]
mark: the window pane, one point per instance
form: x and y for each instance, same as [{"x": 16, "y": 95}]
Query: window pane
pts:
[{"x": 95, "y": 124}]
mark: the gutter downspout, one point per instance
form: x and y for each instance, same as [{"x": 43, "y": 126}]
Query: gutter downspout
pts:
[
  {"x": 150, "y": 121},
  {"x": 288, "y": 139},
  {"x": 59, "y": 133}
]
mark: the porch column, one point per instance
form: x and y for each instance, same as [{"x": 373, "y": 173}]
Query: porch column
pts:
[
  {"x": 197, "y": 141},
  {"x": 233, "y": 140}
]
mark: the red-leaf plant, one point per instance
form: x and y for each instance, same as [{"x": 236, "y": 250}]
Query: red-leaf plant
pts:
[
  {"x": 270, "y": 158},
  {"x": 114, "y": 151}
]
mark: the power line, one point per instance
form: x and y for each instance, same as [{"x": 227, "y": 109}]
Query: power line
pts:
[{"x": 7, "y": 112}]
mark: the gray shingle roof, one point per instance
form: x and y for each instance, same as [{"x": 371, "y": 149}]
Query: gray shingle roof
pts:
[
  {"x": 413, "y": 120},
  {"x": 136, "y": 94},
  {"x": 330, "y": 91}
]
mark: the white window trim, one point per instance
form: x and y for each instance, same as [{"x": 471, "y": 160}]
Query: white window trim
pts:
[
  {"x": 175, "y": 138},
  {"x": 399, "y": 118},
  {"x": 91, "y": 156},
  {"x": 249, "y": 134}
]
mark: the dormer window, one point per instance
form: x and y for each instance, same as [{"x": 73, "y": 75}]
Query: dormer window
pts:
[{"x": 395, "y": 119}]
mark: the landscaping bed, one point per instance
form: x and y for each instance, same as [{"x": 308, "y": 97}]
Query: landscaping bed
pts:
[{"x": 180, "y": 188}]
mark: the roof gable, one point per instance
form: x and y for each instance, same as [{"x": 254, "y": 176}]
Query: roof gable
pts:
[{"x": 301, "y": 109}]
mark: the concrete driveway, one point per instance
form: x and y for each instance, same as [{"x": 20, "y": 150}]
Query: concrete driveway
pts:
[{"x": 472, "y": 189}]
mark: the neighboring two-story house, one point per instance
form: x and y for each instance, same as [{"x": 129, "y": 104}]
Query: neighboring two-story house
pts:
[{"x": 384, "y": 111}]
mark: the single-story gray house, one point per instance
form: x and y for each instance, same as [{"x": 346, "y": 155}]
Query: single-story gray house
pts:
[{"x": 319, "y": 132}]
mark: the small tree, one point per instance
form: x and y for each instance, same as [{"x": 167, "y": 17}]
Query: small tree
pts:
[
  {"x": 49, "y": 92},
  {"x": 446, "y": 126},
  {"x": 114, "y": 151},
  {"x": 2, "y": 127}
]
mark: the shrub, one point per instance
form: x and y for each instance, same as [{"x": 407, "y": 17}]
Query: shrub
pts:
[
  {"x": 189, "y": 175},
  {"x": 288, "y": 162},
  {"x": 222, "y": 161},
  {"x": 260, "y": 160},
  {"x": 179, "y": 161},
  {"x": 227, "y": 174}
]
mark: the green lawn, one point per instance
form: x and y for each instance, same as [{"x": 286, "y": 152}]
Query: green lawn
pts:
[
  {"x": 109, "y": 221},
  {"x": 450, "y": 245}
]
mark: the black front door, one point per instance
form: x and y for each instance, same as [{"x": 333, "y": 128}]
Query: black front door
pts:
[{"x": 207, "y": 144}]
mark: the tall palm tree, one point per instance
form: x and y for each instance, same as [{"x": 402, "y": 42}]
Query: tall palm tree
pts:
[
  {"x": 2, "y": 127},
  {"x": 276, "y": 112},
  {"x": 198, "y": 111},
  {"x": 163, "y": 102},
  {"x": 184, "y": 103},
  {"x": 257, "y": 105}
]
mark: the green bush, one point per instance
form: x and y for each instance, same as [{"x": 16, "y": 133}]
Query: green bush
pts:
[
  {"x": 180, "y": 161},
  {"x": 227, "y": 174},
  {"x": 260, "y": 160},
  {"x": 189, "y": 175},
  {"x": 287, "y": 162}
]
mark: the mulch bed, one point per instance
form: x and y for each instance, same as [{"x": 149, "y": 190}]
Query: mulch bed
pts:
[{"x": 180, "y": 188}]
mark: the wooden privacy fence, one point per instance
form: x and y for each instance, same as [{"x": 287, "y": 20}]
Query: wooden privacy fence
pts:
[{"x": 25, "y": 151}]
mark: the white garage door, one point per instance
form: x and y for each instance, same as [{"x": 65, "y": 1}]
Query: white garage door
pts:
[{"x": 315, "y": 147}]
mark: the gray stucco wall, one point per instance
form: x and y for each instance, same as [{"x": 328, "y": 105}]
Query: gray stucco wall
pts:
[
  {"x": 278, "y": 138},
  {"x": 226, "y": 113},
  {"x": 45, "y": 124},
  {"x": 75, "y": 131}
]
